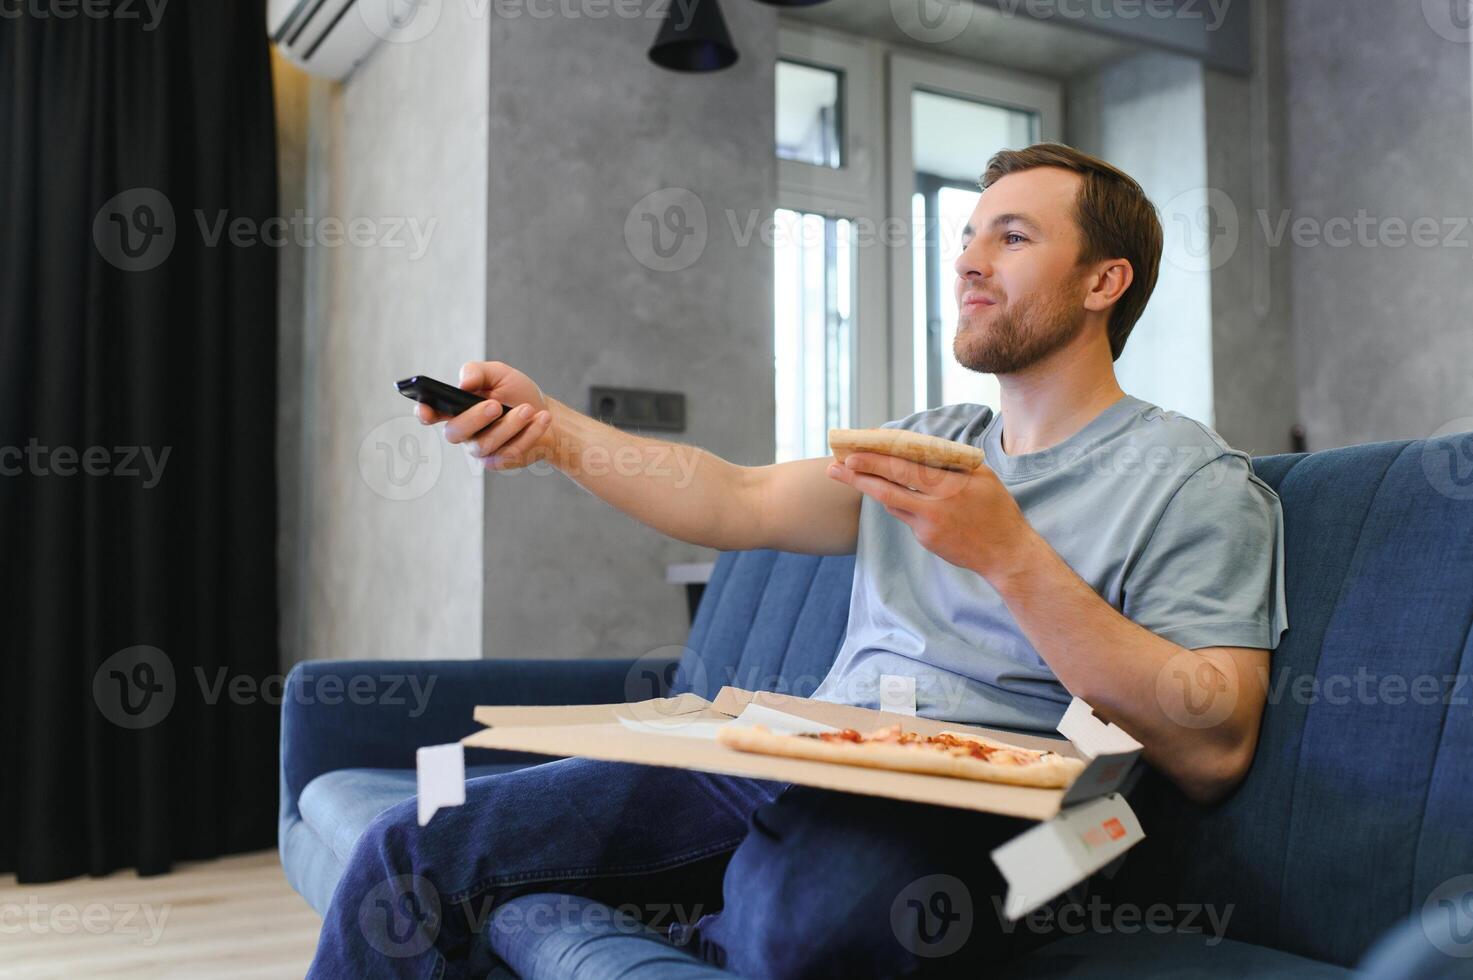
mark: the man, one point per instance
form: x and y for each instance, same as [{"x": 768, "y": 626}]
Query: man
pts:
[{"x": 1108, "y": 550}]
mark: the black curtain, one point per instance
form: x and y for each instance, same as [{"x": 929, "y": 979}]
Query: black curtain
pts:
[{"x": 137, "y": 407}]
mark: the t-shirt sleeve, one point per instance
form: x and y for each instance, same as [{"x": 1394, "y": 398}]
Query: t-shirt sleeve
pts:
[{"x": 1212, "y": 572}]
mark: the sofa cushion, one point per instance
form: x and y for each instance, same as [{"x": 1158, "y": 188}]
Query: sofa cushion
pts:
[
  {"x": 338, "y": 805},
  {"x": 1145, "y": 955}
]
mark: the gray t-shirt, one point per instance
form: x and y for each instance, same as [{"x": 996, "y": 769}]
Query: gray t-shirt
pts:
[{"x": 1163, "y": 519}]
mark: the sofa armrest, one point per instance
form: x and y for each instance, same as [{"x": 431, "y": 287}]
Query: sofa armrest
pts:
[{"x": 374, "y": 714}]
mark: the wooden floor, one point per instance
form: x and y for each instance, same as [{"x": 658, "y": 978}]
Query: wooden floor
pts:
[{"x": 235, "y": 917}]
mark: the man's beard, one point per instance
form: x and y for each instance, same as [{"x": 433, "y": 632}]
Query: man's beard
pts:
[{"x": 1016, "y": 339}]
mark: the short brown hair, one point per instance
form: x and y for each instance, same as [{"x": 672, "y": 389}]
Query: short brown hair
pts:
[{"x": 1114, "y": 215}]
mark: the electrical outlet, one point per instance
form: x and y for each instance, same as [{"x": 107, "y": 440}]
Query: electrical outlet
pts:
[{"x": 638, "y": 408}]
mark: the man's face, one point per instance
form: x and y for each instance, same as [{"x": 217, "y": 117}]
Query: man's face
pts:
[{"x": 1020, "y": 288}]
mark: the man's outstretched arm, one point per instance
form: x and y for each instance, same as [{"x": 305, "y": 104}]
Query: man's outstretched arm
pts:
[
  {"x": 682, "y": 491},
  {"x": 698, "y": 497}
]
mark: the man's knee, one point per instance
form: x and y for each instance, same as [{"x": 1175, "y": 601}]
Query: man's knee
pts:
[
  {"x": 830, "y": 884},
  {"x": 384, "y": 843},
  {"x": 804, "y": 891}
]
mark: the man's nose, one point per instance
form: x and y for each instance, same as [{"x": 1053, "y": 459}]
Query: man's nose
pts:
[{"x": 972, "y": 263}]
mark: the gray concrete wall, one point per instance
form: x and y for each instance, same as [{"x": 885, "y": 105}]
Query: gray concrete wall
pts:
[
  {"x": 1354, "y": 112},
  {"x": 583, "y": 128},
  {"x": 1254, "y": 391},
  {"x": 1380, "y": 121},
  {"x": 386, "y": 547}
]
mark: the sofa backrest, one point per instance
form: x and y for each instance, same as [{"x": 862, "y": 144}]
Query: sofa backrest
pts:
[
  {"x": 1360, "y": 800},
  {"x": 1359, "y": 804},
  {"x": 768, "y": 621}
]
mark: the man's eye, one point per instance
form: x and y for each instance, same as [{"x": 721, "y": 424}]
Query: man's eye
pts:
[{"x": 1015, "y": 238}]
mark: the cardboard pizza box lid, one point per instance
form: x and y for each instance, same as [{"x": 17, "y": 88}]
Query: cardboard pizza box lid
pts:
[
  {"x": 1078, "y": 830},
  {"x": 648, "y": 732}
]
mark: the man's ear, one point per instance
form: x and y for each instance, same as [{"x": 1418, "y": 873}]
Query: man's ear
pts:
[{"x": 1109, "y": 281}]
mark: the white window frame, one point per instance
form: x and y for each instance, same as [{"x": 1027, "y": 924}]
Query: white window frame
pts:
[
  {"x": 855, "y": 190},
  {"x": 964, "y": 80}
]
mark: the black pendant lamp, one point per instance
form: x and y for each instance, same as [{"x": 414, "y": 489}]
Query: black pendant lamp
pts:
[{"x": 694, "y": 38}]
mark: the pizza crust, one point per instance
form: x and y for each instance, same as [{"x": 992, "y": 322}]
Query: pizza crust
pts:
[
  {"x": 914, "y": 446},
  {"x": 1053, "y": 771}
]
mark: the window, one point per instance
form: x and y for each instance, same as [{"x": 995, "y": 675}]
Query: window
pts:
[
  {"x": 813, "y": 354},
  {"x": 951, "y": 139},
  {"x": 809, "y": 114},
  {"x": 864, "y": 311},
  {"x": 946, "y": 120},
  {"x": 828, "y": 94}
]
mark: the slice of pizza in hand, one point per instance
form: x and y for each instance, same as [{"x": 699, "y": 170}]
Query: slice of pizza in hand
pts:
[
  {"x": 957, "y": 754},
  {"x": 915, "y": 446}
]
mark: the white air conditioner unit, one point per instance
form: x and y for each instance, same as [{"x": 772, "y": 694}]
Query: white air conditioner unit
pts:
[{"x": 330, "y": 37}]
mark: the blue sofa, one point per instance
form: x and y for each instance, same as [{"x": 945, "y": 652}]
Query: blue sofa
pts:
[{"x": 1359, "y": 805}]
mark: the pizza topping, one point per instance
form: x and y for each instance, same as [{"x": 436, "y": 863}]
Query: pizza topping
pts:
[
  {"x": 943, "y": 754},
  {"x": 946, "y": 742}
]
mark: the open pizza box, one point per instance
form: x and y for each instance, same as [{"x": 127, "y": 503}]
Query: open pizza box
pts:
[{"x": 1080, "y": 829}]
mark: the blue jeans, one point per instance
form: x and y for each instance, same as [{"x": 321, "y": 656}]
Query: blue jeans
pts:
[{"x": 762, "y": 878}]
